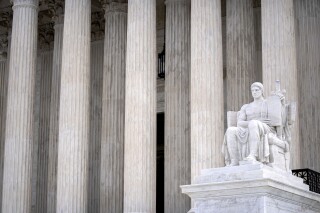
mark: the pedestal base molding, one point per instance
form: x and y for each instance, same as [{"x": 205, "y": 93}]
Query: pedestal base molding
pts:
[{"x": 250, "y": 188}]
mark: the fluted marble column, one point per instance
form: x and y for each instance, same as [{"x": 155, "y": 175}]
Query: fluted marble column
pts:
[
  {"x": 177, "y": 105},
  {"x": 19, "y": 122},
  {"x": 4, "y": 69},
  {"x": 74, "y": 108},
  {"x": 3, "y": 97},
  {"x": 44, "y": 91},
  {"x": 112, "y": 137},
  {"x": 241, "y": 53},
  {"x": 54, "y": 115},
  {"x": 308, "y": 53},
  {"x": 279, "y": 58},
  {"x": 96, "y": 79},
  {"x": 140, "y": 108},
  {"x": 206, "y": 86}
]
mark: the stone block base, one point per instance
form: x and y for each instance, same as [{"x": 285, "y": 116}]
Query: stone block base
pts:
[{"x": 250, "y": 188}]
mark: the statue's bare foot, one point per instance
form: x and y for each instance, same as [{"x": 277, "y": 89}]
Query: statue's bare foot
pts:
[
  {"x": 250, "y": 158},
  {"x": 233, "y": 163}
]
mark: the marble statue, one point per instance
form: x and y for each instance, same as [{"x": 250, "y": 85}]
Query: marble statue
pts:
[{"x": 261, "y": 130}]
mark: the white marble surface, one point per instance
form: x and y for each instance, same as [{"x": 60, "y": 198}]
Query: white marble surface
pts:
[
  {"x": 19, "y": 136},
  {"x": 250, "y": 188},
  {"x": 177, "y": 105},
  {"x": 113, "y": 108},
  {"x": 74, "y": 111},
  {"x": 206, "y": 86},
  {"x": 279, "y": 61},
  {"x": 140, "y": 110}
]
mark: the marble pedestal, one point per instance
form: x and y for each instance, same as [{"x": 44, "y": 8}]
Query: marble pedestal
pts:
[{"x": 250, "y": 188}]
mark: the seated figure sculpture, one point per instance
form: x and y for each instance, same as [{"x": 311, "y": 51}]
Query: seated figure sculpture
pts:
[{"x": 262, "y": 125}]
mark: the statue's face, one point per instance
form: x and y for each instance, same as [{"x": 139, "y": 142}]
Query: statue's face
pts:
[{"x": 256, "y": 92}]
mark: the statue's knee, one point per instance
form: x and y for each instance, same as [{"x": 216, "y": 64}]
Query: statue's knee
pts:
[
  {"x": 231, "y": 131},
  {"x": 253, "y": 124}
]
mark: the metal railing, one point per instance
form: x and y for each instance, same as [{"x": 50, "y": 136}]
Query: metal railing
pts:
[
  {"x": 310, "y": 177},
  {"x": 161, "y": 64}
]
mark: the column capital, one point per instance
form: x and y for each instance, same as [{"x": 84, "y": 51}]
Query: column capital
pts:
[
  {"x": 58, "y": 19},
  {"x": 97, "y": 26},
  {"x": 25, "y": 3},
  {"x": 4, "y": 38},
  {"x": 114, "y": 7},
  {"x": 56, "y": 9},
  {"x": 167, "y": 2},
  {"x": 3, "y": 46},
  {"x": 46, "y": 36}
]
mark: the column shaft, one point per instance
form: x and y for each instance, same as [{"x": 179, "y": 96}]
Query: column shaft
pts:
[
  {"x": 74, "y": 108},
  {"x": 44, "y": 86},
  {"x": 112, "y": 138},
  {"x": 96, "y": 82},
  {"x": 19, "y": 122},
  {"x": 3, "y": 97},
  {"x": 4, "y": 74},
  {"x": 279, "y": 57},
  {"x": 206, "y": 86},
  {"x": 140, "y": 108},
  {"x": 54, "y": 116},
  {"x": 177, "y": 105},
  {"x": 241, "y": 53},
  {"x": 308, "y": 52}
]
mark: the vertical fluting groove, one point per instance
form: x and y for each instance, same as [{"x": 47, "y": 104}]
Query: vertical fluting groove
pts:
[
  {"x": 54, "y": 116},
  {"x": 113, "y": 102},
  {"x": 74, "y": 108},
  {"x": 19, "y": 122},
  {"x": 140, "y": 108},
  {"x": 206, "y": 86},
  {"x": 240, "y": 53},
  {"x": 177, "y": 105},
  {"x": 279, "y": 58},
  {"x": 95, "y": 126},
  {"x": 308, "y": 51},
  {"x": 42, "y": 154}
]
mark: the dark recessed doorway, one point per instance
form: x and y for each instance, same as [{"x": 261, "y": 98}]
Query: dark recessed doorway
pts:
[{"x": 160, "y": 163}]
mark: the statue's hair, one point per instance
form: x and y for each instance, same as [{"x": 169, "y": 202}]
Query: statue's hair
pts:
[{"x": 257, "y": 84}]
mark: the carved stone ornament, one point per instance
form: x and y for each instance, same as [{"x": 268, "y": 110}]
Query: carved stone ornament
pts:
[
  {"x": 55, "y": 8},
  {"x": 46, "y": 36},
  {"x": 3, "y": 46},
  {"x": 97, "y": 25},
  {"x": 177, "y": 1},
  {"x": 25, "y": 3},
  {"x": 116, "y": 7}
]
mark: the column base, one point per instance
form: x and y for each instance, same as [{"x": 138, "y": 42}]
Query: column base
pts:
[{"x": 250, "y": 188}]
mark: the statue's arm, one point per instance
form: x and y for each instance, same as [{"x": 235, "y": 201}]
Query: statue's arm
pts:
[{"x": 242, "y": 119}]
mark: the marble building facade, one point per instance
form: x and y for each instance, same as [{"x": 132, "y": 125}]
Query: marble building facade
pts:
[{"x": 80, "y": 95}]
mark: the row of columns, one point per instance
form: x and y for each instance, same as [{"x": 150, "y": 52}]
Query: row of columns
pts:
[{"x": 194, "y": 97}]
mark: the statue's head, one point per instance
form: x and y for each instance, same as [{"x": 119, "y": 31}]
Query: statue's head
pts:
[{"x": 256, "y": 90}]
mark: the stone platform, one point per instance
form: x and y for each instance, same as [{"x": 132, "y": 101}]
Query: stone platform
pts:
[{"x": 250, "y": 188}]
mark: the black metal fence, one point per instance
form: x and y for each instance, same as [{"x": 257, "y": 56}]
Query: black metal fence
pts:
[
  {"x": 310, "y": 177},
  {"x": 161, "y": 64}
]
